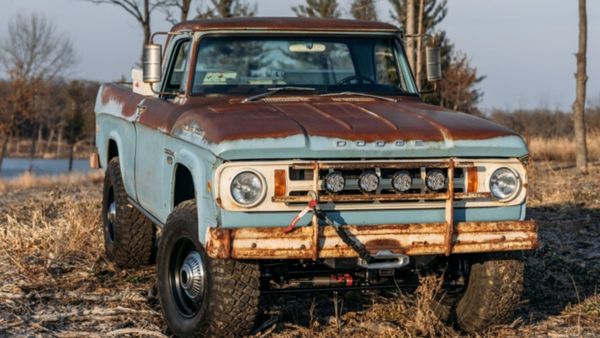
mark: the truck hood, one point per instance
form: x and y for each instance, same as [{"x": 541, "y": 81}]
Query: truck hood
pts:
[{"x": 342, "y": 128}]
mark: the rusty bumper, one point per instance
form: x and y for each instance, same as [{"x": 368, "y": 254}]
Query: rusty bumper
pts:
[{"x": 409, "y": 239}]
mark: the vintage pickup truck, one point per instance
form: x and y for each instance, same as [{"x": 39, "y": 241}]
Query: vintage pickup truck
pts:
[{"x": 265, "y": 155}]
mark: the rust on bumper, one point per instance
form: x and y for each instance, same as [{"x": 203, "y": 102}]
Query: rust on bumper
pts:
[{"x": 409, "y": 239}]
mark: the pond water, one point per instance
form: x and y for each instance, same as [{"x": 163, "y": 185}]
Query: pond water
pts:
[{"x": 12, "y": 167}]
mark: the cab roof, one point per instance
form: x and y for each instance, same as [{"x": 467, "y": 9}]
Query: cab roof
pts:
[{"x": 284, "y": 23}]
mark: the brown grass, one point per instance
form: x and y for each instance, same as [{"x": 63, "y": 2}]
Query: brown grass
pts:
[
  {"x": 54, "y": 230},
  {"x": 563, "y": 148},
  {"x": 55, "y": 281},
  {"x": 414, "y": 313}
]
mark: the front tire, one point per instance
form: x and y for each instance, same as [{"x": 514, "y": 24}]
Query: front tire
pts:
[
  {"x": 201, "y": 296},
  {"x": 493, "y": 292},
  {"x": 129, "y": 236}
]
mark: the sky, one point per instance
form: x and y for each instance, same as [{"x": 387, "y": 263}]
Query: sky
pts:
[{"x": 524, "y": 48}]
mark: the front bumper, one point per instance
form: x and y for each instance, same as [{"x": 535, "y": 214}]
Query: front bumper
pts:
[{"x": 409, "y": 239}]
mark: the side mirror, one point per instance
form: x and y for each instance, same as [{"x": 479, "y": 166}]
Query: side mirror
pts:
[
  {"x": 434, "y": 64},
  {"x": 151, "y": 60}
]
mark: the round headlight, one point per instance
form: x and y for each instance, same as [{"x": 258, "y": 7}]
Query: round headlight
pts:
[
  {"x": 402, "y": 181},
  {"x": 435, "y": 180},
  {"x": 335, "y": 182},
  {"x": 247, "y": 188},
  {"x": 504, "y": 183},
  {"x": 368, "y": 182}
]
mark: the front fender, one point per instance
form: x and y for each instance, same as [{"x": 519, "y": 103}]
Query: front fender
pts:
[{"x": 201, "y": 164}]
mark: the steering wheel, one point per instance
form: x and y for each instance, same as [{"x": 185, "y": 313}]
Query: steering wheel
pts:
[{"x": 356, "y": 77}]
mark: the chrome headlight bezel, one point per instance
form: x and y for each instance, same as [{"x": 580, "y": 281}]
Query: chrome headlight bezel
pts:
[
  {"x": 516, "y": 190},
  {"x": 261, "y": 195}
]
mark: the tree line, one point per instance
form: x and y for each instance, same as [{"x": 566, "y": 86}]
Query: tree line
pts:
[{"x": 546, "y": 122}]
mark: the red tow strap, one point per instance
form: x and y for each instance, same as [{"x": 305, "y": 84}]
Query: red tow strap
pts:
[
  {"x": 356, "y": 245},
  {"x": 312, "y": 204}
]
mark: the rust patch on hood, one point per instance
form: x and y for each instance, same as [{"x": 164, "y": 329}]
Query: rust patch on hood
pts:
[
  {"x": 461, "y": 126},
  {"x": 408, "y": 119}
]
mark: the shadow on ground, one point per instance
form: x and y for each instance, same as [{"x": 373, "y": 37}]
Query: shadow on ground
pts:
[{"x": 565, "y": 270}]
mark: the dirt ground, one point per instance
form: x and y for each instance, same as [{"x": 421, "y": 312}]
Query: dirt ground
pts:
[{"x": 55, "y": 281}]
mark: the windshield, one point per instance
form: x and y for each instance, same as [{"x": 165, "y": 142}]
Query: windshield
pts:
[{"x": 250, "y": 64}]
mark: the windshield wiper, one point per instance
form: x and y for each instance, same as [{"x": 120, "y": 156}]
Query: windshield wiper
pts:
[
  {"x": 360, "y": 94},
  {"x": 273, "y": 91}
]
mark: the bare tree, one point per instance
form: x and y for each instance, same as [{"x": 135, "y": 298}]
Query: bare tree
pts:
[
  {"x": 318, "y": 9},
  {"x": 74, "y": 116},
  {"x": 52, "y": 109},
  {"x": 15, "y": 109},
  {"x": 420, "y": 49},
  {"x": 141, "y": 10},
  {"x": 183, "y": 6},
  {"x": 581, "y": 80},
  {"x": 33, "y": 52},
  {"x": 33, "y": 49},
  {"x": 364, "y": 10},
  {"x": 7, "y": 119},
  {"x": 226, "y": 9},
  {"x": 410, "y": 32}
]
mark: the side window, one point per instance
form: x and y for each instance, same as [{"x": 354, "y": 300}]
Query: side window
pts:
[
  {"x": 385, "y": 61},
  {"x": 178, "y": 68}
]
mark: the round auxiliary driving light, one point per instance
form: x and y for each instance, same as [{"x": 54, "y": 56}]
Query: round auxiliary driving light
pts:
[
  {"x": 504, "y": 184},
  {"x": 247, "y": 188},
  {"x": 402, "y": 181},
  {"x": 436, "y": 180},
  {"x": 335, "y": 182},
  {"x": 368, "y": 182}
]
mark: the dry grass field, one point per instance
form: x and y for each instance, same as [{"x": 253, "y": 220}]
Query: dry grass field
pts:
[
  {"x": 562, "y": 149},
  {"x": 54, "y": 280}
]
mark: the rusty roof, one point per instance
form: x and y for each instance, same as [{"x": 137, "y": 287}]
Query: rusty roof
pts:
[{"x": 284, "y": 23}]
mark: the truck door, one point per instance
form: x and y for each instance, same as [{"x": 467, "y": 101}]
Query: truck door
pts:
[{"x": 152, "y": 168}]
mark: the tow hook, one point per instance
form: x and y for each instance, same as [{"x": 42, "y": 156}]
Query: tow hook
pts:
[
  {"x": 385, "y": 259},
  {"x": 357, "y": 246}
]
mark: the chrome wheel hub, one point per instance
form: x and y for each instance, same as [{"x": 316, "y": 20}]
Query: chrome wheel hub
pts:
[
  {"x": 111, "y": 216},
  {"x": 112, "y": 212},
  {"x": 192, "y": 275}
]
